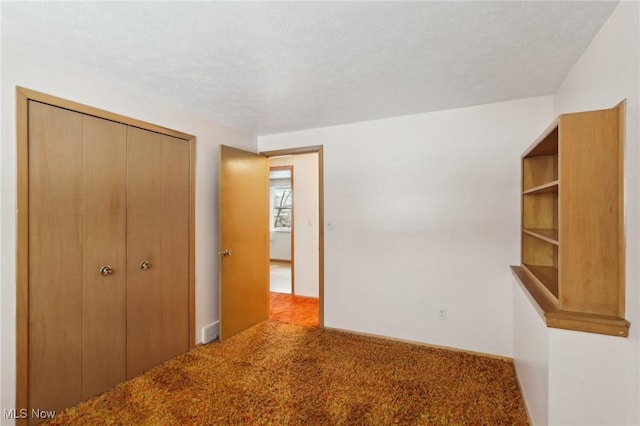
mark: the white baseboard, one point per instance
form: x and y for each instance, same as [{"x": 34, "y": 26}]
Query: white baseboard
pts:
[{"x": 210, "y": 332}]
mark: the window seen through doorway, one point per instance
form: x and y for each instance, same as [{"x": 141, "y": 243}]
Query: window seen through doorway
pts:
[
  {"x": 281, "y": 202},
  {"x": 282, "y": 207}
]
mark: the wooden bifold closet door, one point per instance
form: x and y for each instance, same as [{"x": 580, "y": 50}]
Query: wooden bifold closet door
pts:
[
  {"x": 109, "y": 262},
  {"x": 103, "y": 233},
  {"x": 158, "y": 229}
]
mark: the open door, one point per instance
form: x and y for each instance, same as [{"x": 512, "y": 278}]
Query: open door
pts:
[{"x": 244, "y": 240}]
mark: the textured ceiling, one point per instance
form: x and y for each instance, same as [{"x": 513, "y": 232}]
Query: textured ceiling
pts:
[{"x": 271, "y": 67}]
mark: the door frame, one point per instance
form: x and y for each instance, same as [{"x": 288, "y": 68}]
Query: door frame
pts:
[
  {"x": 311, "y": 150},
  {"x": 293, "y": 222},
  {"x": 23, "y": 96}
]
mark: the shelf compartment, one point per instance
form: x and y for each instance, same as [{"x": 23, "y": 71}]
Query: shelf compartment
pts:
[
  {"x": 541, "y": 259},
  {"x": 546, "y": 144},
  {"x": 538, "y": 171},
  {"x": 540, "y": 211},
  {"x": 546, "y": 188},
  {"x": 547, "y": 275},
  {"x": 548, "y": 235}
]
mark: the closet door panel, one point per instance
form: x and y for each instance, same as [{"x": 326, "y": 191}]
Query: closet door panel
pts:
[
  {"x": 104, "y": 236},
  {"x": 144, "y": 242},
  {"x": 175, "y": 245},
  {"x": 55, "y": 257}
]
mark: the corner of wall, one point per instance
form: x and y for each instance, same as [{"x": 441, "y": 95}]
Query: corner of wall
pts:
[{"x": 607, "y": 73}]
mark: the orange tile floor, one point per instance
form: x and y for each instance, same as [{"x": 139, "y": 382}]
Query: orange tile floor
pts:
[{"x": 294, "y": 309}]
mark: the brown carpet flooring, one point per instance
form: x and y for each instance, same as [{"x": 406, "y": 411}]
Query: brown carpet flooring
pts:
[{"x": 282, "y": 374}]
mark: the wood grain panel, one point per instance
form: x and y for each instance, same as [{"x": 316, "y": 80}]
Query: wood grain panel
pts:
[
  {"x": 104, "y": 243},
  {"x": 547, "y": 188},
  {"x": 539, "y": 170},
  {"x": 144, "y": 232},
  {"x": 548, "y": 276},
  {"x": 244, "y": 229},
  {"x": 192, "y": 243},
  {"x": 548, "y": 310},
  {"x": 540, "y": 211},
  {"x": 548, "y": 235},
  {"x": 538, "y": 252},
  {"x": 621, "y": 110},
  {"x": 175, "y": 246},
  {"x": 22, "y": 254},
  {"x": 589, "y": 229},
  {"x": 48, "y": 335},
  {"x": 96, "y": 112},
  {"x": 55, "y": 257}
]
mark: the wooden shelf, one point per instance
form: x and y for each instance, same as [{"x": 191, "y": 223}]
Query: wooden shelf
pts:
[
  {"x": 547, "y": 188},
  {"x": 548, "y": 235},
  {"x": 557, "y": 318},
  {"x": 547, "y": 275},
  {"x": 572, "y": 182}
]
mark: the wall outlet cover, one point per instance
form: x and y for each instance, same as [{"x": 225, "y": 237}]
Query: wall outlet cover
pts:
[{"x": 442, "y": 314}]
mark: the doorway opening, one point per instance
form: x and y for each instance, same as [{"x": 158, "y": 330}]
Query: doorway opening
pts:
[
  {"x": 296, "y": 236},
  {"x": 281, "y": 229}
]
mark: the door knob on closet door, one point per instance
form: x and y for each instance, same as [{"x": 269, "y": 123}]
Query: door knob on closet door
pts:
[
  {"x": 144, "y": 265},
  {"x": 225, "y": 253},
  {"x": 106, "y": 270}
]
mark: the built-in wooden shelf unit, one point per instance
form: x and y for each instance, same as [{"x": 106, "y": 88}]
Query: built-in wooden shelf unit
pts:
[{"x": 572, "y": 235}]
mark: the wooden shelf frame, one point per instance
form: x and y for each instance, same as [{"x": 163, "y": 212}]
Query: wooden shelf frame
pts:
[
  {"x": 572, "y": 230},
  {"x": 548, "y": 235},
  {"x": 547, "y": 276},
  {"x": 547, "y": 308},
  {"x": 547, "y": 188}
]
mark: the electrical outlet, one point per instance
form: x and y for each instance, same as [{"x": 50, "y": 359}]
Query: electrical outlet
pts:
[{"x": 442, "y": 314}]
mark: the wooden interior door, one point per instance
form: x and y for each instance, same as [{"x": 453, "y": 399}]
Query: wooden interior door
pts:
[
  {"x": 55, "y": 257},
  {"x": 158, "y": 215},
  {"x": 103, "y": 243},
  {"x": 144, "y": 244},
  {"x": 244, "y": 237}
]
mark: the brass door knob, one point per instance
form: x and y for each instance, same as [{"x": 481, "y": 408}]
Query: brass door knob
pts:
[
  {"x": 225, "y": 253},
  {"x": 144, "y": 265},
  {"x": 106, "y": 270}
]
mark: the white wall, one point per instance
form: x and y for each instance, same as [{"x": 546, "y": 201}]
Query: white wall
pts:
[
  {"x": 306, "y": 227},
  {"x": 440, "y": 234},
  {"x": 590, "y": 380},
  {"x": 607, "y": 373},
  {"x": 594, "y": 379},
  {"x": 2, "y": 297},
  {"x": 530, "y": 353},
  {"x": 280, "y": 245},
  {"x": 49, "y": 78}
]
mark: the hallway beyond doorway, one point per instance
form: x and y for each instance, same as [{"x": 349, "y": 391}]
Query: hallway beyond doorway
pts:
[{"x": 280, "y": 277}]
